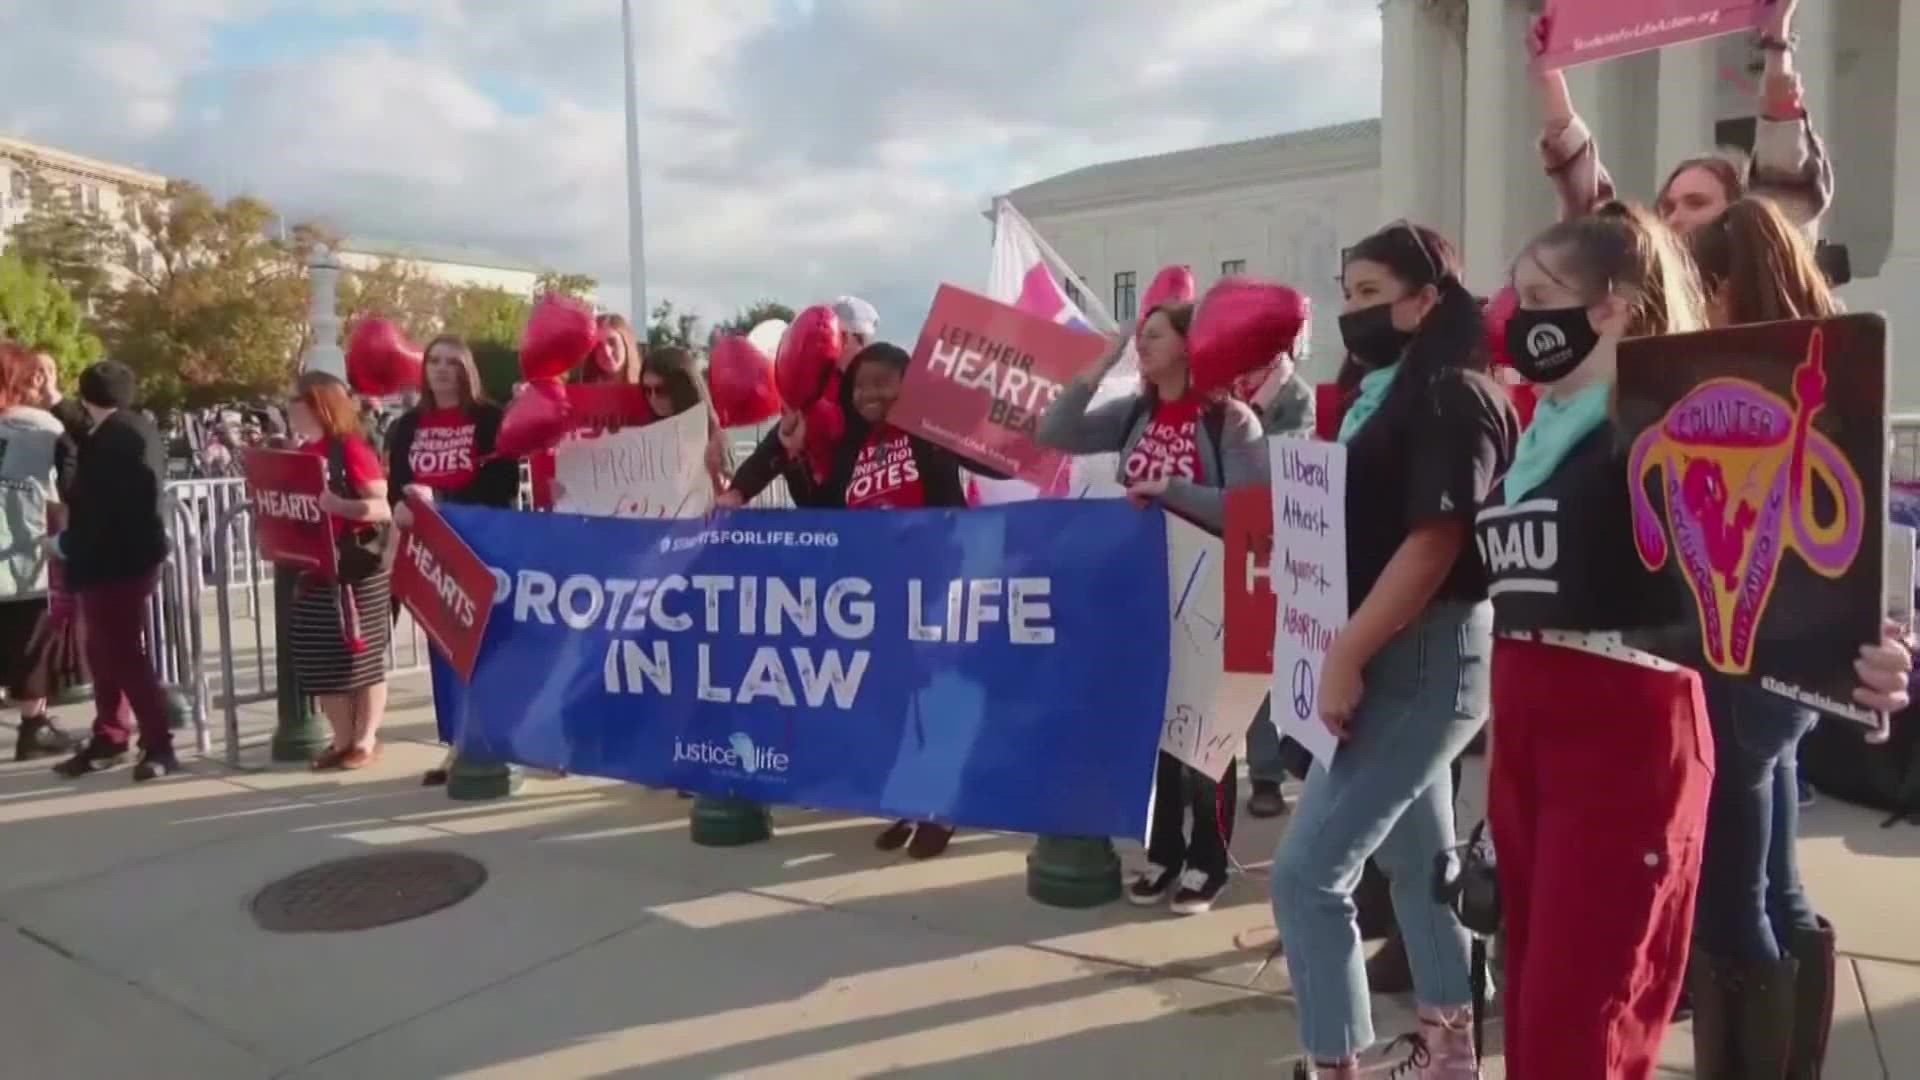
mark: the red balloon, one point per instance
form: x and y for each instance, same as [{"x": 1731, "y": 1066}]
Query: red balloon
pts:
[
  {"x": 1497, "y": 312},
  {"x": 535, "y": 420},
  {"x": 1240, "y": 326},
  {"x": 560, "y": 333},
  {"x": 380, "y": 359},
  {"x": 808, "y": 354},
  {"x": 1173, "y": 284},
  {"x": 740, "y": 378},
  {"x": 825, "y": 427}
]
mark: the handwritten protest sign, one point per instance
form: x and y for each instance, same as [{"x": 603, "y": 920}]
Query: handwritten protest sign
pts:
[
  {"x": 982, "y": 375},
  {"x": 286, "y": 488},
  {"x": 657, "y": 471},
  {"x": 1584, "y": 31},
  {"x": 1309, "y": 577},
  {"x": 596, "y": 408},
  {"x": 1208, "y": 711},
  {"x": 1251, "y": 609},
  {"x": 445, "y": 585}
]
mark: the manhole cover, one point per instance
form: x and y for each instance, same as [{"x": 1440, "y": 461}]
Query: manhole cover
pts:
[{"x": 367, "y": 891}]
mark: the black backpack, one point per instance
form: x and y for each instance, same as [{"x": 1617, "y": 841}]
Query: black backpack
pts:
[
  {"x": 363, "y": 551},
  {"x": 1838, "y": 760}
]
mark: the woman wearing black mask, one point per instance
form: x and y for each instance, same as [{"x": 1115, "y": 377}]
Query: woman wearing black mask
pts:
[
  {"x": 1404, "y": 686},
  {"x": 1603, "y": 757}
]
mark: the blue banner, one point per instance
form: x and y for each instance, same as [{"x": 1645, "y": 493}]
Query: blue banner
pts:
[{"x": 1000, "y": 667}]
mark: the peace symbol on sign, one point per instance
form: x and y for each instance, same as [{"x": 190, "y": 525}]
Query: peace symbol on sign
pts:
[{"x": 1303, "y": 689}]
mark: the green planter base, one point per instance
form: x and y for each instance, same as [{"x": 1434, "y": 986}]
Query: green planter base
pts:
[
  {"x": 718, "y": 822},
  {"x": 478, "y": 781},
  {"x": 300, "y": 743},
  {"x": 299, "y": 735},
  {"x": 1073, "y": 871}
]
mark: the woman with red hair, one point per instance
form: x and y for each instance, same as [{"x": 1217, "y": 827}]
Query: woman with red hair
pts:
[{"x": 38, "y": 644}]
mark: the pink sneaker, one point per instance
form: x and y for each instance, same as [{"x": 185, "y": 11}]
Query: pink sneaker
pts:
[{"x": 1448, "y": 1035}]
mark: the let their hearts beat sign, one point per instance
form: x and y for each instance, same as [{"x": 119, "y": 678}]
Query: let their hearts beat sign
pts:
[
  {"x": 286, "y": 489},
  {"x": 445, "y": 585},
  {"x": 982, "y": 375},
  {"x": 656, "y": 471},
  {"x": 1584, "y": 31},
  {"x": 1208, "y": 710},
  {"x": 1309, "y": 577}
]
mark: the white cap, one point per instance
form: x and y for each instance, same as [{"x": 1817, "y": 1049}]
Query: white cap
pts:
[{"x": 857, "y": 316}]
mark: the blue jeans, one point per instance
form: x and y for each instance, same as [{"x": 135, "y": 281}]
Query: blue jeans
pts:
[
  {"x": 1389, "y": 794},
  {"x": 1751, "y": 899}
]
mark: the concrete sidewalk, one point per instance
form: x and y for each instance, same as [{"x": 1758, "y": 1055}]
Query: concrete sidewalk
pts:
[{"x": 605, "y": 945}]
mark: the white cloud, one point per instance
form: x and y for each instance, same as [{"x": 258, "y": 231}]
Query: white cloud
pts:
[{"x": 794, "y": 150}]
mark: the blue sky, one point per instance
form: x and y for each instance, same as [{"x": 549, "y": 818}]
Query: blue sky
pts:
[{"x": 796, "y": 149}]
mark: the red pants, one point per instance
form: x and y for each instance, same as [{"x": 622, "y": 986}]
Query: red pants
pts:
[
  {"x": 1597, "y": 796},
  {"x": 114, "y": 615}
]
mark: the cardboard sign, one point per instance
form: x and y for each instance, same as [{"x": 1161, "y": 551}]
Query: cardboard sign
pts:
[
  {"x": 982, "y": 375},
  {"x": 285, "y": 487},
  {"x": 1308, "y": 575},
  {"x": 1758, "y": 474},
  {"x": 1585, "y": 31},
  {"x": 1252, "y": 610},
  {"x": 1208, "y": 711},
  {"x": 657, "y": 471},
  {"x": 445, "y": 585}
]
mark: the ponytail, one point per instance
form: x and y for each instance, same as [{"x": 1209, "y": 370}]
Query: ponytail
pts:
[{"x": 1754, "y": 255}]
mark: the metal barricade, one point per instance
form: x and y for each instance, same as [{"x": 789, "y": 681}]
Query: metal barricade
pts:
[{"x": 1903, "y": 467}]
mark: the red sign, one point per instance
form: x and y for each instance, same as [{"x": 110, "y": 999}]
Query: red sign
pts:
[
  {"x": 286, "y": 488},
  {"x": 1583, "y": 31},
  {"x": 1251, "y": 609},
  {"x": 445, "y": 585},
  {"x": 982, "y": 375},
  {"x": 596, "y": 407}
]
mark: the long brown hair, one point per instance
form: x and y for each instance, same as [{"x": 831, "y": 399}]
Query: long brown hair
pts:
[
  {"x": 1759, "y": 262},
  {"x": 1728, "y": 167},
  {"x": 331, "y": 403},
  {"x": 675, "y": 367},
  {"x": 1623, "y": 249},
  {"x": 472, "y": 391},
  {"x": 616, "y": 333}
]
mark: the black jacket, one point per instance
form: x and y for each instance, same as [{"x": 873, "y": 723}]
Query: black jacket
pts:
[
  {"x": 115, "y": 527},
  {"x": 496, "y": 481},
  {"x": 939, "y": 467}
]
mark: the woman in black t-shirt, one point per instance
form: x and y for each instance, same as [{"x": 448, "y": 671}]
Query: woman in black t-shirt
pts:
[
  {"x": 1603, "y": 758},
  {"x": 1404, "y": 686}
]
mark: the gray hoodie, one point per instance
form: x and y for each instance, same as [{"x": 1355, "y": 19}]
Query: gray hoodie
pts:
[
  {"x": 1069, "y": 425},
  {"x": 30, "y": 447}
]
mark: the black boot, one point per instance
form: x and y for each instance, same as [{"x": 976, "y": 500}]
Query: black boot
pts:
[
  {"x": 1812, "y": 1001},
  {"x": 1742, "y": 1018},
  {"x": 40, "y": 737}
]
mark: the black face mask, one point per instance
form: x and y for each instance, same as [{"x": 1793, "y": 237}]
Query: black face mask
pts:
[
  {"x": 1370, "y": 336},
  {"x": 1547, "y": 344}
]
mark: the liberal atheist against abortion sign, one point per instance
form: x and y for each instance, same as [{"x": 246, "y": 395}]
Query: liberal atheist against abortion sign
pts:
[{"x": 1758, "y": 473}]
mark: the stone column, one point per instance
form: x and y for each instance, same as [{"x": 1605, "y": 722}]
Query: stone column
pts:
[
  {"x": 323, "y": 352},
  {"x": 1688, "y": 89},
  {"x": 1816, "y": 59},
  {"x": 1422, "y": 128},
  {"x": 1506, "y": 194},
  {"x": 1896, "y": 288}
]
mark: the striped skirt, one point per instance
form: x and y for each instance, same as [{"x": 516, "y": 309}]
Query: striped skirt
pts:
[{"x": 321, "y": 658}]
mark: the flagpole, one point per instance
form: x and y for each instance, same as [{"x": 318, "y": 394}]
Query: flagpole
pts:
[{"x": 636, "y": 222}]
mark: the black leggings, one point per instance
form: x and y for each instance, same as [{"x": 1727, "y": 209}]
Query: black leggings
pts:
[{"x": 1178, "y": 789}]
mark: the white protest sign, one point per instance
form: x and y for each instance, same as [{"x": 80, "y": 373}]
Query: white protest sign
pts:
[
  {"x": 1309, "y": 581},
  {"x": 656, "y": 471},
  {"x": 1208, "y": 709}
]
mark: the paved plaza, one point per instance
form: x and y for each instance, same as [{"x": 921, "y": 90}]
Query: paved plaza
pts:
[{"x": 605, "y": 945}]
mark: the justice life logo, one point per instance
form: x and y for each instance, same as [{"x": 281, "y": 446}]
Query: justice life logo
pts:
[{"x": 1738, "y": 468}]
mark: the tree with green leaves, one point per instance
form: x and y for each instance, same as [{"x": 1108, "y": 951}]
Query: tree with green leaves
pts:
[
  {"x": 576, "y": 285},
  {"x": 217, "y": 311},
  {"x": 671, "y": 327},
  {"x": 485, "y": 313},
  {"x": 37, "y": 311},
  {"x": 399, "y": 291},
  {"x": 754, "y": 314},
  {"x": 78, "y": 246}
]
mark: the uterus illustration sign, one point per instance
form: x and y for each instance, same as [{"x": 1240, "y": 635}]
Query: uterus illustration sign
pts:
[{"x": 1761, "y": 482}]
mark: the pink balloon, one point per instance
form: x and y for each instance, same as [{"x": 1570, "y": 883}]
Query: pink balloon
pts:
[
  {"x": 1173, "y": 284},
  {"x": 380, "y": 359},
  {"x": 1240, "y": 326},
  {"x": 808, "y": 354},
  {"x": 740, "y": 378},
  {"x": 535, "y": 420},
  {"x": 1498, "y": 311},
  {"x": 560, "y": 333}
]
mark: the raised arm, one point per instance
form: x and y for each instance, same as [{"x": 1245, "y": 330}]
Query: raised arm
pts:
[
  {"x": 1790, "y": 162},
  {"x": 1567, "y": 149},
  {"x": 1070, "y": 425}
]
